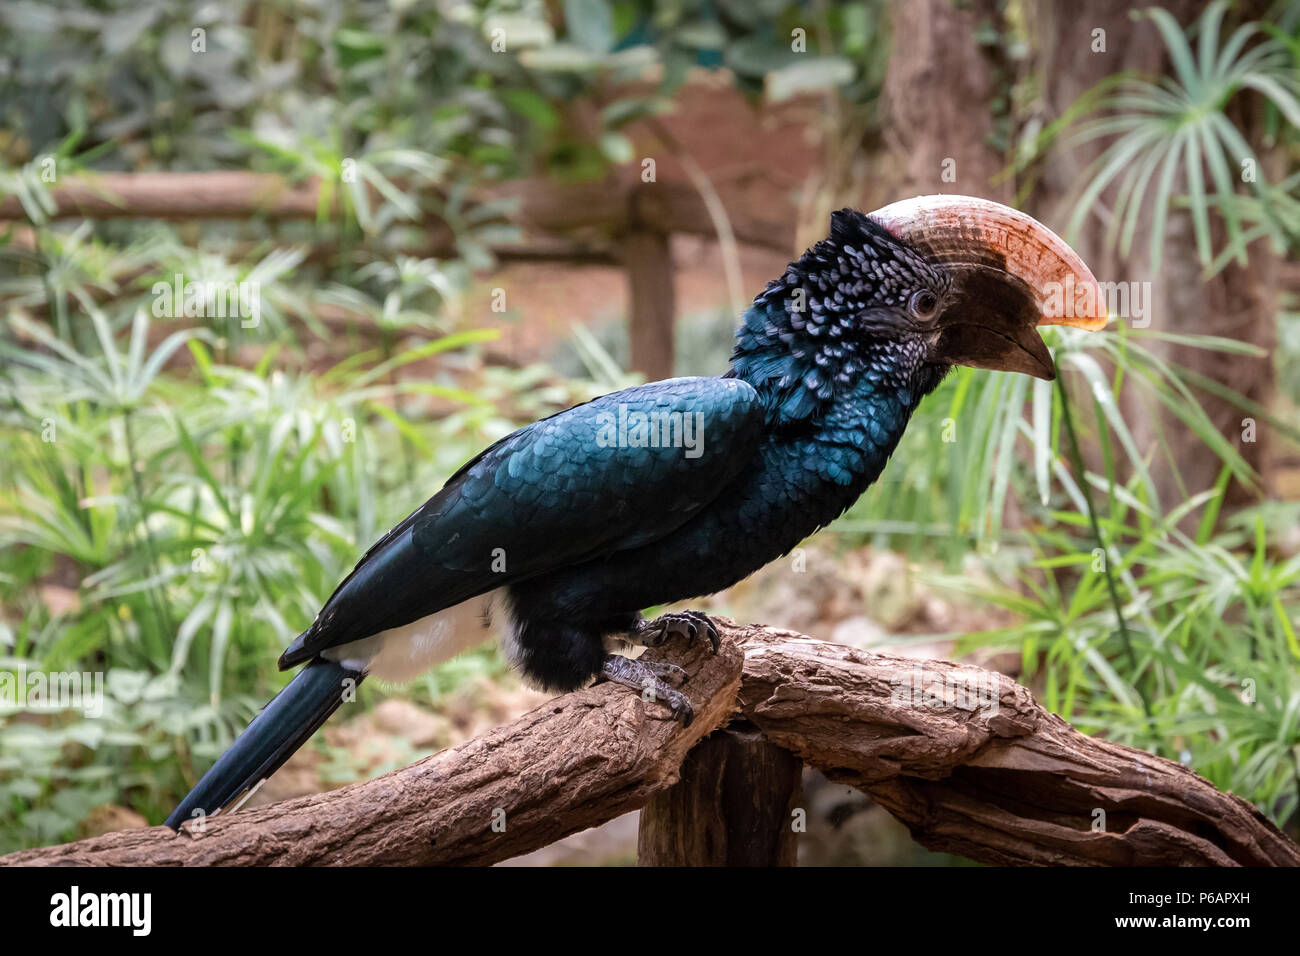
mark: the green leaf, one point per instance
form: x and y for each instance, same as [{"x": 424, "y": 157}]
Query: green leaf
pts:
[{"x": 532, "y": 106}]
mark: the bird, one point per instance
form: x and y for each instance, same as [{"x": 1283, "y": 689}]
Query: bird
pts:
[{"x": 560, "y": 534}]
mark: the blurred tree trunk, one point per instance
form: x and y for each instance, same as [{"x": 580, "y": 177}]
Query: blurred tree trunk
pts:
[
  {"x": 648, "y": 264},
  {"x": 1238, "y": 303},
  {"x": 946, "y": 94}
]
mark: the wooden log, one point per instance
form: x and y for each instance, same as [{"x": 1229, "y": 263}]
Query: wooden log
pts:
[
  {"x": 965, "y": 757},
  {"x": 973, "y": 765},
  {"x": 733, "y": 806},
  {"x": 573, "y": 763}
]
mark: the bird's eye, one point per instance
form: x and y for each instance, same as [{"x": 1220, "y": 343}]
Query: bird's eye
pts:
[{"x": 923, "y": 303}]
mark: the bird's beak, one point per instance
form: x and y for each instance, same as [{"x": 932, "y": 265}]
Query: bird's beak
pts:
[{"x": 1010, "y": 274}]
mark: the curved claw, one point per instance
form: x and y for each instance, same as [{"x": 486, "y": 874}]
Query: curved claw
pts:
[
  {"x": 710, "y": 629},
  {"x": 687, "y": 624}
]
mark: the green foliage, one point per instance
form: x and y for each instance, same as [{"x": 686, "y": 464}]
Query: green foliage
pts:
[
  {"x": 55, "y": 771},
  {"x": 198, "y": 513},
  {"x": 1182, "y": 643},
  {"x": 1214, "y": 680},
  {"x": 179, "y": 494},
  {"x": 1166, "y": 134},
  {"x": 439, "y": 93}
]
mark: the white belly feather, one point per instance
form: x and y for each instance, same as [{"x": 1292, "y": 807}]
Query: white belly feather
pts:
[{"x": 403, "y": 653}]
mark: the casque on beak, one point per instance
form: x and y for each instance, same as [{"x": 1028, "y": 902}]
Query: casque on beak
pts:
[{"x": 1010, "y": 274}]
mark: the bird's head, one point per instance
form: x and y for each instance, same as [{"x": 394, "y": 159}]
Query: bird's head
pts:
[{"x": 898, "y": 296}]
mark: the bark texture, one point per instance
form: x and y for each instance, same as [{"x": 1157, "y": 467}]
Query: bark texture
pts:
[
  {"x": 733, "y": 806},
  {"x": 573, "y": 763},
  {"x": 964, "y": 756},
  {"x": 941, "y": 91},
  {"x": 973, "y": 765}
]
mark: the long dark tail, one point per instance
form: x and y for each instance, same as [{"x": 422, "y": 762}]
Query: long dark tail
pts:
[{"x": 283, "y": 726}]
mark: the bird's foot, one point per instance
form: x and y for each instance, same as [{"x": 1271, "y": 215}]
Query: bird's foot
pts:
[
  {"x": 649, "y": 678},
  {"x": 688, "y": 624}
]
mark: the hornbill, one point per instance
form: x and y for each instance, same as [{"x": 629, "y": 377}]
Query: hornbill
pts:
[{"x": 559, "y": 534}]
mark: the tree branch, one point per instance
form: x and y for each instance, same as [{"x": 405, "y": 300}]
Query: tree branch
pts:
[
  {"x": 965, "y": 757},
  {"x": 573, "y": 763},
  {"x": 973, "y": 765}
]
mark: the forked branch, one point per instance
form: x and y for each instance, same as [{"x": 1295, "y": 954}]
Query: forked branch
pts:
[{"x": 964, "y": 756}]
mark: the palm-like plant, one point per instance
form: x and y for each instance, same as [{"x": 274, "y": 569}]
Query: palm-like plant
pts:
[{"x": 1174, "y": 130}]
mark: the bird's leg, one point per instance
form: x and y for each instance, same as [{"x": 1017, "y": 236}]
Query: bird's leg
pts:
[
  {"x": 648, "y": 678},
  {"x": 651, "y": 677},
  {"x": 687, "y": 624}
]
